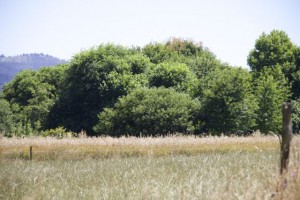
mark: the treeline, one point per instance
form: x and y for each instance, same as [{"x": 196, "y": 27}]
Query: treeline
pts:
[{"x": 162, "y": 88}]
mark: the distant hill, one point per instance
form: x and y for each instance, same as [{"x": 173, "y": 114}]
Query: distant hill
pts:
[{"x": 11, "y": 65}]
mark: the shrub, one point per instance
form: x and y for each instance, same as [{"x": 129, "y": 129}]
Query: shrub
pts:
[
  {"x": 59, "y": 132},
  {"x": 149, "y": 112}
]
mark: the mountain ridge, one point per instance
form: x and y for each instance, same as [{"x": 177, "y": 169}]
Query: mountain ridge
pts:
[{"x": 11, "y": 65}]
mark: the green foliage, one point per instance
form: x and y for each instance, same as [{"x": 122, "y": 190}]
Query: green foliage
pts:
[
  {"x": 204, "y": 63},
  {"x": 6, "y": 118},
  {"x": 184, "y": 47},
  {"x": 174, "y": 50},
  {"x": 228, "y": 103},
  {"x": 295, "y": 76},
  {"x": 271, "y": 90},
  {"x": 270, "y": 50},
  {"x": 115, "y": 90},
  {"x": 158, "y": 53},
  {"x": 175, "y": 75},
  {"x": 31, "y": 95},
  {"x": 296, "y": 116},
  {"x": 59, "y": 132},
  {"x": 23, "y": 128},
  {"x": 276, "y": 49},
  {"x": 95, "y": 80},
  {"x": 149, "y": 112}
]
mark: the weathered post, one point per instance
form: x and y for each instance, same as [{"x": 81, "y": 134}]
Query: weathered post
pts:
[
  {"x": 286, "y": 136},
  {"x": 30, "y": 153}
]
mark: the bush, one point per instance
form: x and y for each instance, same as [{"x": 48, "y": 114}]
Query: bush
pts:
[
  {"x": 59, "y": 132},
  {"x": 156, "y": 111}
]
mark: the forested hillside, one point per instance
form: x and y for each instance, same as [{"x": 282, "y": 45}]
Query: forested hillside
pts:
[
  {"x": 11, "y": 65},
  {"x": 161, "y": 88}
]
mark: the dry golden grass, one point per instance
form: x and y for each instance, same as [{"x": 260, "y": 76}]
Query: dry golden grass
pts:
[
  {"x": 107, "y": 147},
  {"x": 288, "y": 184},
  {"x": 184, "y": 167}
]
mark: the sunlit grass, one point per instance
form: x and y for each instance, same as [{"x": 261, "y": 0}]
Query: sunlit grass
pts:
[
  {"x": 237, "y": 175},
  {"x": 173, "y": 167},
  {"x": 108, "y": 147}
]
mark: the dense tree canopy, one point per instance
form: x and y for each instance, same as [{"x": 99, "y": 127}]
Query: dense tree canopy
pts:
[
  {"x": 176, "y": 75},
  {"x": 95, "y": 80},
  {"x": 228, "y": 102},
  {"x": 98, "y": 77},
  {"x": 32, "y": 95},
  {"x": 175, "y": 86}
]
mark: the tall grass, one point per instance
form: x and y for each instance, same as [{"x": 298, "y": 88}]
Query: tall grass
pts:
[
  {"x": 165, "y": 168},
  {"x": 288, "y": 184},
  {"x": 238, "y": 175},
  {"x": 108, "y": 147}
]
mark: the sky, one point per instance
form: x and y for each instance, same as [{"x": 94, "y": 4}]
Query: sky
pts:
[{"x": 63, "y": 28}]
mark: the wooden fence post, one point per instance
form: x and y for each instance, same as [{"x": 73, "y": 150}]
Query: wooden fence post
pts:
[
  {"x": 30, "y": 153},
  {"x": 286, "y": 136}
]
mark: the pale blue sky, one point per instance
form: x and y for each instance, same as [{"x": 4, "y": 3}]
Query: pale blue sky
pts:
[{"x": 63, "y": 28}]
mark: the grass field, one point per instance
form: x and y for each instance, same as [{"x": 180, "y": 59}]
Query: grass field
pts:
[{"x": 183, "y": 167}]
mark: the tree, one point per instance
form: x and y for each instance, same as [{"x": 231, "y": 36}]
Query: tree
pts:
[
  {"x": 152, "y": 111},
  {"x": 95, "y": 80},
  {"x": 276, "y": 49},
  {"x": 187, "y": 56},
  {"x": 228, "y": 102},
  {"x": 158, "y": 53},
  {"x": 204, "y": 63},
  {"x": 296, "y": 76},
  {"x": 176, "y": 75},
  {"x": 271, "y": 90},
  {"x": 271, "y": 50},
  {"x": 32, "y": 94},
  {"x": 6, "y": 118},
  {"x": 174, "y": 50},
  {"x": 296, "y": 116}
]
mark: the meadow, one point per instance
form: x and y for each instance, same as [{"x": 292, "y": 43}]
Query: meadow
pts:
[{"x": 172, "y": 167}]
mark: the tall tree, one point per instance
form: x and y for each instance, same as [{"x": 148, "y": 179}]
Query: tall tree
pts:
[
  {"x": 271, "y": 90},
  {"x": 228, "y": 102},
  {"x": 276, "y": 49}
]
